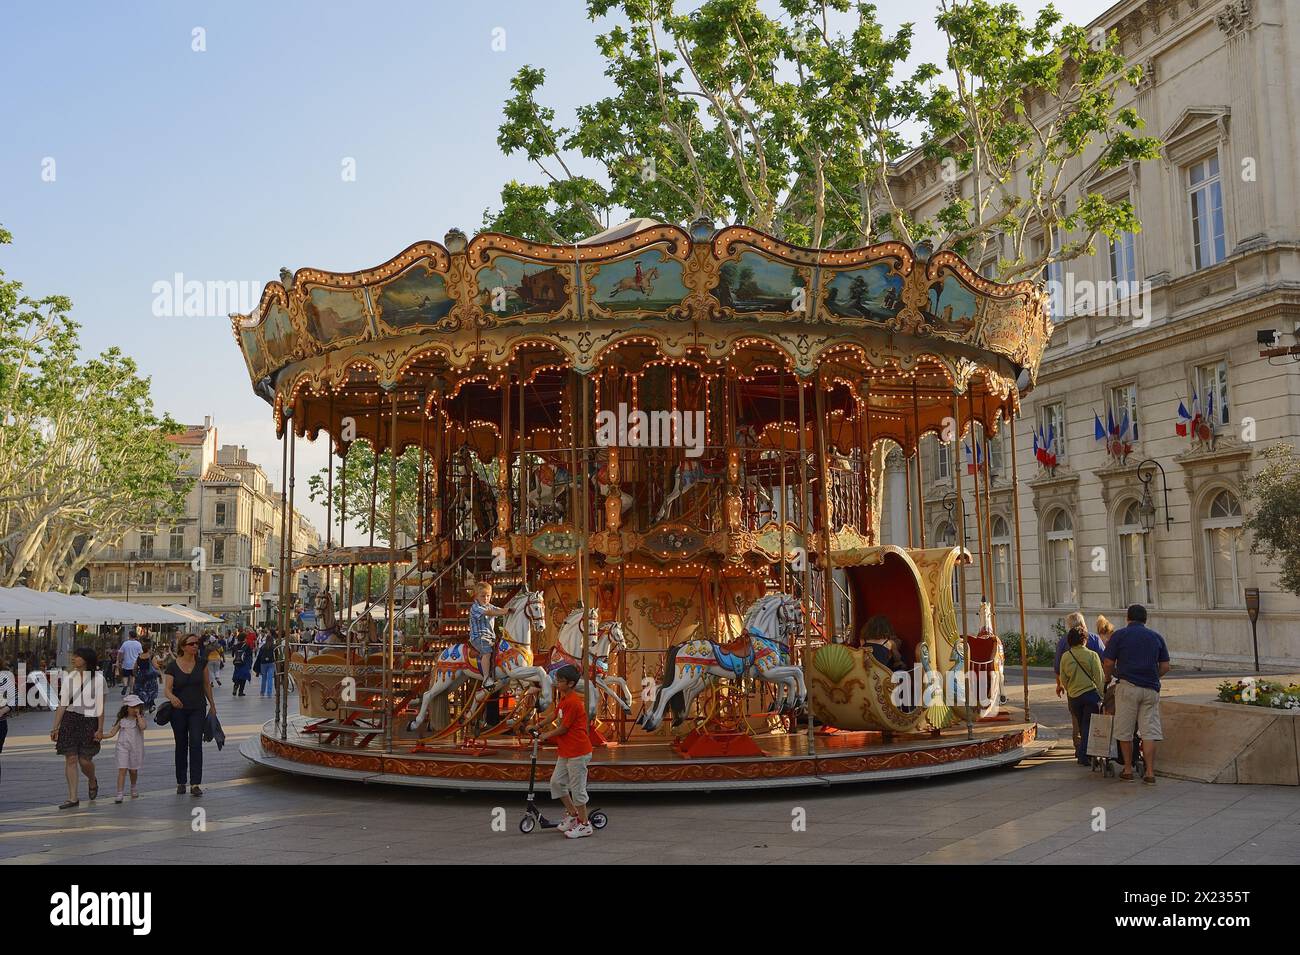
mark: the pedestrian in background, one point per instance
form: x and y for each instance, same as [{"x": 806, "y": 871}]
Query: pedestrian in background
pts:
[
  {"x": 243, "y": 662},
  {"x": 1081, "y": 674},
  {"x": 1138, "y": 658},
  {"x": 130, "y": 652},
  {"x": 264, "y": 667},
  {"x": 1104, "y": 630},
  {"x": 146, "y": 676},
  {"x": 1074, "y": 621},
  {"x": 216, "y": 659}
]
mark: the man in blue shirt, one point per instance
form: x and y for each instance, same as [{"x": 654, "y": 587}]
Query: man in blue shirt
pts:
[{"x": 1138, "y": 658}]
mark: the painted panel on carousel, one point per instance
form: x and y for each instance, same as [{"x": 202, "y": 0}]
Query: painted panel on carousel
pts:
[
  {"x": 254, "y": 353},
  {"x": 335, "y": 316},
  {"x": 754, "y": 285},
  {"x": 418, "y": 296},
  {"x": 951, "y": 305},
  {"x": 511, "y": 287},
  {"x": 650, "y": 281},
  {"x": 278, "y": 334},
  {"x": 873, "y": 294}
]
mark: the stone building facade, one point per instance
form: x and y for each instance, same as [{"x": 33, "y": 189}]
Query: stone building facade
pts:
[
  {"x": 1217, "y": 260},
  {"x": 233, "y": 514}
]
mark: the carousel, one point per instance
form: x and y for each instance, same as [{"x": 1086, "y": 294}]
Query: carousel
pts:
[{"x": 664, "y": 450}]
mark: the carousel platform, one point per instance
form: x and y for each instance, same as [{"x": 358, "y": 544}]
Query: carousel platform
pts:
[{"x": 654, "y": 765}]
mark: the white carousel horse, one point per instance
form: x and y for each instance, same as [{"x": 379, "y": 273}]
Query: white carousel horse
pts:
[
  {"x": 770, "y": 627},
  {"x": 568, "y": 652},
  {"x": 987, "y": 680},
  {"x": 685, "y": 476},
  {"x": 525, "y": 615},
  {"x": 550, "y": 484}
]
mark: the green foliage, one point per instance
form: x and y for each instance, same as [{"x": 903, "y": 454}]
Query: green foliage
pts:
[
  {"x": 798, "y": 127},
  {"x": 1275, "y": 519},
  {"x": 353, "y": 479},
  {"x": 1040, "y": 652},
  {"x": 83, "y": 455}
]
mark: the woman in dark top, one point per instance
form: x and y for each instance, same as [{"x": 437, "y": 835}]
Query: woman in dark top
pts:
[
  {"x": 881, "y": 642},
  {"x": 188, "y": 688},
  {"x": 243, "y": 668},
  {"x": 146, "y": 676}
]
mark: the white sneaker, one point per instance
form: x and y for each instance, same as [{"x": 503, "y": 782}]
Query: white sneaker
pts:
[
  {"x": 118, "y": 798},
  {"x": 567, "y": 823},
  {"x": 579, "y": 831}
]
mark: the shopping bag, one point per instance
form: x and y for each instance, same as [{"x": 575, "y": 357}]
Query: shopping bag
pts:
[{"x": 1101, "y": 735}]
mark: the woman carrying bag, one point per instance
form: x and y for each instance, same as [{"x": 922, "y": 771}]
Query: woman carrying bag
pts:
[
  {"x": 188, "y": 688},
  {"x": 1082, "y": 679}
]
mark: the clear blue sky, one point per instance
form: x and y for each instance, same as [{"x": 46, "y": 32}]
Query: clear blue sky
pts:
[{"x": 224, "y": 165}]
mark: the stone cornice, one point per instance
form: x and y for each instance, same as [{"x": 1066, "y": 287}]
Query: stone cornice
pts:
[{"x": 1098, "y": 358}]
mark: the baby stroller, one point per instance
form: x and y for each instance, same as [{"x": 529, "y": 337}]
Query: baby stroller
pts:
[{"x": 1106, "y": 765}]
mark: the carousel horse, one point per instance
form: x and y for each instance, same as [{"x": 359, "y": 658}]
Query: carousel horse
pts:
[
  {"x": 770, "y": 627},
  {"x": 986, "y": 675},
  {"x": 568, "y": 652},
  {"x": 525, "y": 615},
  {"x": 544, "y": 497},
  {"x": 685, "y": 476},
  {"x": 692, "y": 472}
]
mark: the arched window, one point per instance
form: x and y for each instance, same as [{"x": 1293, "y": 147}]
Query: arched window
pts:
[
  {"x": 1060, "y": 563},
  {"x": 1225, "y": 550},
  {"x": 1134, "y": 557},
  {"x": 1000, "y": 540}
]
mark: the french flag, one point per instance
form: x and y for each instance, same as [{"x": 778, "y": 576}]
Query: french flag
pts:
[{"x": 1044, "y": 446}]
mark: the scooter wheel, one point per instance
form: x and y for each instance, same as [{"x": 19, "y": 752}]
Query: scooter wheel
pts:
[
  {"x": 598, "y": 820},
  {"x": 527, "y": 824}
]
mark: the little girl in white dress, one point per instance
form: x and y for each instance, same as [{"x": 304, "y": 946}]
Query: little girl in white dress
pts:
[{"x": 129, "y": 730}]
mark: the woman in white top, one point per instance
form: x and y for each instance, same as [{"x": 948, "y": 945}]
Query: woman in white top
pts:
[{"x": 79, "y": 722}]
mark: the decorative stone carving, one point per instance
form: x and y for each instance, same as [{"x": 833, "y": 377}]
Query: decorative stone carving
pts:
[{"x": 1235, "y": 16}]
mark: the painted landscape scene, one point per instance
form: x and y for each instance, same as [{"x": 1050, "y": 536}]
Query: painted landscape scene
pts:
[
  {"x": 754, "y": 283},
  {"x": 416, "y": 297},
  {"x": 873, "y": 293}
]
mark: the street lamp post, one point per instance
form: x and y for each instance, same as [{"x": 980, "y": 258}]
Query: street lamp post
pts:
[
  {"x": 130, "y": 569},
  {"x": 1252, "y": 611},
  {"x": 1147, "y": 506}
]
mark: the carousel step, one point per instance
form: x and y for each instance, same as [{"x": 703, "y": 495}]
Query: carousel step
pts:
[
  {"x": 371, "y": 705},
  {"x": 348, "y": 728}
]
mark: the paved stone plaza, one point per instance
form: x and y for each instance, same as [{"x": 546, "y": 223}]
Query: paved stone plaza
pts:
[{"x": 1040, "y": 811}]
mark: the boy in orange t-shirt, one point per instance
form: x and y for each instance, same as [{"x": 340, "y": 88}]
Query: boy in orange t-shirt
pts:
[{"x": 573, "y": 753}]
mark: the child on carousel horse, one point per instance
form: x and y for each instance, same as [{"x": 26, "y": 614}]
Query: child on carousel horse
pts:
[{"x": 482, "y": 634}]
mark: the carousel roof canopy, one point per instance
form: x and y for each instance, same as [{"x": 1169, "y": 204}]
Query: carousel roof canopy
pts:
[
  {"x": 352, "y": 557},
  {"x": 896, "y": 327}
]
